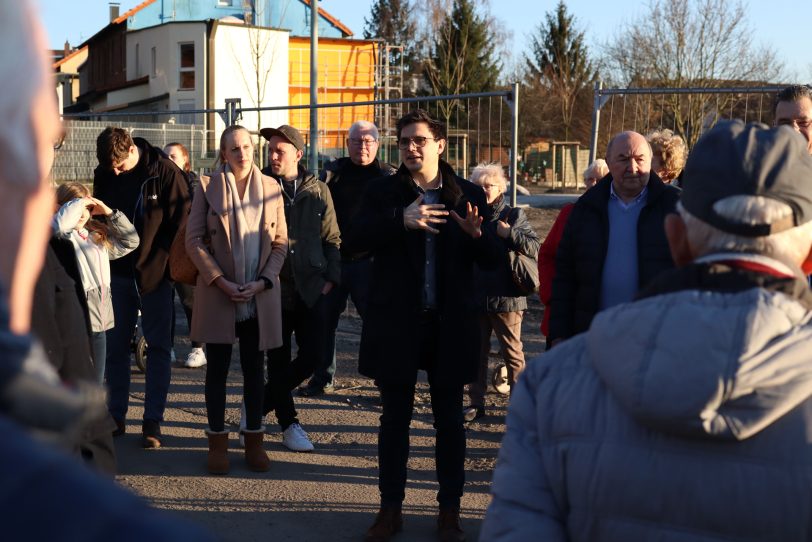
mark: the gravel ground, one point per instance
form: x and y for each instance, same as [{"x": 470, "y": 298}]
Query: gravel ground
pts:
[{"x": 330, "y": 494}]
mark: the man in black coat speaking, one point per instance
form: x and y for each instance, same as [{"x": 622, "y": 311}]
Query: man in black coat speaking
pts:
[{"x": 423, "y": 229}]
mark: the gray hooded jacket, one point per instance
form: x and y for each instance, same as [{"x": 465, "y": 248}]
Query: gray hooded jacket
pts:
[{"x": 685, "y": 416}]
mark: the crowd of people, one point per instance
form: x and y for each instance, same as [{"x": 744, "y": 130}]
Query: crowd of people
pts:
[{"x": 673, "y": 401}]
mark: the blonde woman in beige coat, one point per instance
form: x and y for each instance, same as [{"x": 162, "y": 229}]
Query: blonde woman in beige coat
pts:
[{"x": 237, "y": 238}]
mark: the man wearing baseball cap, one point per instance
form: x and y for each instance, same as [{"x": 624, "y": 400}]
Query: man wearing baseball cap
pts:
[
  {"x": 311, "y": 270},
  {"x": 686, "y": 414}
]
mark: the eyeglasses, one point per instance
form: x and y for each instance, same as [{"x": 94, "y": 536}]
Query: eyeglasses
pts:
[
  {"x": 366, "y": 142},
  {"x": 802, "y": 124},
  {"x": 419, "y": 141}
]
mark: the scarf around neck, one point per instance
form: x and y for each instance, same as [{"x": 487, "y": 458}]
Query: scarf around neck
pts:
[{"x": 244, "y": 220}]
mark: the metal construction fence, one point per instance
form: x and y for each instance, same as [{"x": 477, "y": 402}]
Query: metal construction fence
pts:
[
  {"x": 481, "y": 127},
  {"x": 76, "y": 159},
  {"x": 688, "y": 112}
]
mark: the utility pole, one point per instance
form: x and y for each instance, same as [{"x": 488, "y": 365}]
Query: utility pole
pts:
[{"x": 314, "y": 87}]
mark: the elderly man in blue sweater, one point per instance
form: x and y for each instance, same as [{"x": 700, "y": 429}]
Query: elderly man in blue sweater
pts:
[{"x": 614, "y": 242}]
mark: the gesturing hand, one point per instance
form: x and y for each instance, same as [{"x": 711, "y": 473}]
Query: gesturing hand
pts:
[
  {"x": 420, "y": 217},
  {"x": 472, "y": 223}
]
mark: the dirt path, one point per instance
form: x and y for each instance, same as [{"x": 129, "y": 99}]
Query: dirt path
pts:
[{"x": 330, "y": 494}]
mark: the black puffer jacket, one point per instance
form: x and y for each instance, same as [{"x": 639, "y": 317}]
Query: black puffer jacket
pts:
[
  {"x": 581, "y": 254},
  {"x": 154, "y": 195},
  {"x": 496, "y": 289}
]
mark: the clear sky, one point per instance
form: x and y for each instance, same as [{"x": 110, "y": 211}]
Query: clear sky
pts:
[{"x": 785, "y": 25}]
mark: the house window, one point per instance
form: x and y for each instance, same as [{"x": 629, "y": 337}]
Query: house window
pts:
[
  {"x": 154, "y": 62},
  {"x": 187, "y": 66},
  {"x": 224, "y": 3},
  {"x": 137, "y": 60}
]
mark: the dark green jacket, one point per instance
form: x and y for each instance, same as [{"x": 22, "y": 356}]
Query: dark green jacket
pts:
[{"x": 314, "y": 240}]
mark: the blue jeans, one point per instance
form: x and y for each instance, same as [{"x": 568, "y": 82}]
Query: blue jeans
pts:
[
  {"x": 98, "y": 343},
  {"x": 355, "y": 277},
  {"x": 156, "y": 321}
]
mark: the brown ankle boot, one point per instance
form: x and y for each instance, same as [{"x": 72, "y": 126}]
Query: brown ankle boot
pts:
[
  {"x": 448, "y": 525},
  {"x": 388, "y": 522},
  {"x": 255, "y": 456},
  {"x": 218, "y": 452}
]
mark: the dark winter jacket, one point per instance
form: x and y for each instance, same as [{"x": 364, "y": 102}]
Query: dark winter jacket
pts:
[
  {"x": 61, "y": 324},
  {"x": 581, "y": 254},
  {"x": 313, "y": 239},
  {"x": 388, "y": 350},
  {"x": 154, "y": 195},
  {"x": 496, "y": 290},
  {"x": 347, "y": 182}
]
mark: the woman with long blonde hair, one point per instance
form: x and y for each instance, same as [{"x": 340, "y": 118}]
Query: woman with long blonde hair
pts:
[{"x": 237, "y": 237}]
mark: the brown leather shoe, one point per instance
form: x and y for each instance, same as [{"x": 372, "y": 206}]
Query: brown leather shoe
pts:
[
  {"x": 449, "y": 528},
  {"x": 388, "y": 522}
]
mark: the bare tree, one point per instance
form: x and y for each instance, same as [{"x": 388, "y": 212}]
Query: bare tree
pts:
[
  {"x": 262, "y": 52},
  {"x": 691, "y": 43}
]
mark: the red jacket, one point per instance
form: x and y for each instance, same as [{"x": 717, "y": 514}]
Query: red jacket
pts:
[{"x": 547, "y": 263}]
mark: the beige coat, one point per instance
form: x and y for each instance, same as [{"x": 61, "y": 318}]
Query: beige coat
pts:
[{"x": 214, "y": 314}]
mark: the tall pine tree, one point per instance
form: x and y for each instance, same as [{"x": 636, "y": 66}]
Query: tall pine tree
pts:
[
  {"x": 559, "y": 65},
  {"x": 391, "y": 21},
  {"x": 461, "y": 58}
]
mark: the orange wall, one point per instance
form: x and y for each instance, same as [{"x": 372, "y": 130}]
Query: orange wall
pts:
[{"x": 346, "y": 74}]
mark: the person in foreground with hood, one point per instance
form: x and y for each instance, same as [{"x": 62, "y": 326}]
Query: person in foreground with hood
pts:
[{"x": 686, "y": 414}]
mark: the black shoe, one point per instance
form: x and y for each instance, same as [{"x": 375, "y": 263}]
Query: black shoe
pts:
[
  {"x": 314, "y": 390},
  {"x": 472, "y": 413},
  {"x": 448, "y": 525},
  {"x": 151, "y": 434},
  {"x": 121, "y": 428}
]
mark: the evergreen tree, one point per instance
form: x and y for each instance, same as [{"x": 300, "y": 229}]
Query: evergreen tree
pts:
[
  {"x": 391, "y": 21},
  {"x": 461, "y": 58},
  {"x": 559, "y": 64}
]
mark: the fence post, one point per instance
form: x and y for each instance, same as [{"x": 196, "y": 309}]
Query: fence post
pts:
[
  {"x": 514, "y": 143},
  {"x": 232, "y": 105},
  {"x": 313, "y": 165},
  {"x": 596, "y": 121}
]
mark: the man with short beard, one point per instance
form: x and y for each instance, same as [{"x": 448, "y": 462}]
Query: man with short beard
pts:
[{"x": 614, "y": 242}]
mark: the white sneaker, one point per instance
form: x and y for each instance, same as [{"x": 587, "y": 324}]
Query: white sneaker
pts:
[
  {"x": 196, "y": 358},
  {"x": 295, "y": 438},
  {"x": 172, "y": 357},
  {"x": 243, "y": 417}
]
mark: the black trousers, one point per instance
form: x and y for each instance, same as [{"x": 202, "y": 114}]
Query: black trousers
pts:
[
  {"x": 186, "y": 293},
  {"x": 309, "y": 324},
  {"x": 219, "y": 359},
  {"x": 393, "y": 437}
]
